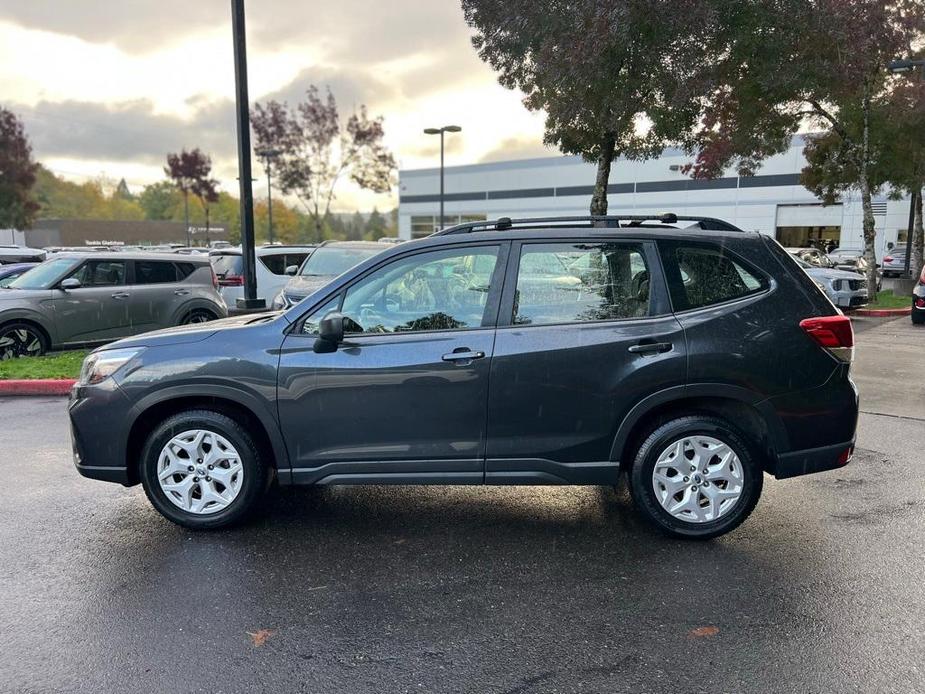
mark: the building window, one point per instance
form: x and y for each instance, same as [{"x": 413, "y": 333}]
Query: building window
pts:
[{"x": 426, "y": 225}]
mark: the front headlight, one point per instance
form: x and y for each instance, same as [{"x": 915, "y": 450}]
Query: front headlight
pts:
[
  {"x": 101, "y": 365},
  {"x": 279, "y": 301}
]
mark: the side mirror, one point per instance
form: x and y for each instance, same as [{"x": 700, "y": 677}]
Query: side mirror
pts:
[
  {"x": 291, "y": 270},
  {"x": 330, "y": 333},
  {"x": 70, "y": 283}
]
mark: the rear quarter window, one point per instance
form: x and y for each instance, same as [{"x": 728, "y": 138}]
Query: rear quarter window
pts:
[{"x": 706, "y": 274}]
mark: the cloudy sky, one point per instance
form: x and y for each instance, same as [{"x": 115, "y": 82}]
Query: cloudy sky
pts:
[{"x": 110, "y": 86}]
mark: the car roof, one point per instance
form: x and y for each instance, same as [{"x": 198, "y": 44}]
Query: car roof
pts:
[{"x": 196, "y": 259}]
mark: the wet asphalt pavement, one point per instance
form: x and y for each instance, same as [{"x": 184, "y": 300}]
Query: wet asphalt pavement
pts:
[{"x": 456, "y": 589}]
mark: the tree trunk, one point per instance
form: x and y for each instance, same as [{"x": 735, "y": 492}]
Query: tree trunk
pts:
[
  {"x": 918, "y": 238},
  {"x": 599, "y": 197},
  {"x": 870, "y": 225}
]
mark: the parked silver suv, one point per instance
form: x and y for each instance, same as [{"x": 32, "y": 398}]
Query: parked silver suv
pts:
[{"x": 86, "y": 298}]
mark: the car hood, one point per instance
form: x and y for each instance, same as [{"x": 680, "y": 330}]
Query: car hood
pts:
[
  {"x": 832, "y": 274},
  {"x": 7, "y": 294},
  {"x": 186, "y": 334},
  {"x": 302, "y": 285}
]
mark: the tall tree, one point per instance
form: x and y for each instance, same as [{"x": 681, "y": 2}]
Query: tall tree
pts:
[
  {"x": 186, "y": 170},
  {"x": 17, "y": 174},
  {"x": 776, "y": 74},
  {"x": 614, "y": 77},
  {"x": 318, "y": 150},
  {"x": 375, "y": 225}
]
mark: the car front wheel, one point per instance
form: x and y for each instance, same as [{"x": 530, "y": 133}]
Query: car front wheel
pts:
[
  {"x": 21, "y": 340},
  {"x": 695, "y": 477},
  {"x": 203, "y": 470}
]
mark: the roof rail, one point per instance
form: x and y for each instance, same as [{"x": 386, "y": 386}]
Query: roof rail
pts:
[{"x": 621, "y": 221}]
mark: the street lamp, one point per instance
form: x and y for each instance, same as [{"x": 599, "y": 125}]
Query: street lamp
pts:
[
  {"x": 440, "y": 132},
  {"x": 268, "y": 155},
  {"x": 902, "y": 67}
]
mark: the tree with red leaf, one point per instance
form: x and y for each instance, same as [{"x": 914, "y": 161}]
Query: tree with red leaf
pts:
[
  {"x": 614, "y": 77},
  {"x": 17, "y": 174},
  {"x": 783, "y": 65},
  {"x": 317, "y": 151},
  {"x": 190, "y": 173}
]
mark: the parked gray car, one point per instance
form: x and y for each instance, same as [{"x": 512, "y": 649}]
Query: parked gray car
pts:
[
  {"x": 845, "y": 289},
  {"x": 77, "y": 299}
]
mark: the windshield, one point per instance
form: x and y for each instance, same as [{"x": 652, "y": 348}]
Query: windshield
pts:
[
  {"x": 803, "y": 264},
  {"x": 848, "y": 252},
  {"x": 45, "y": 275},
  {"x": 330, "y": 261}
]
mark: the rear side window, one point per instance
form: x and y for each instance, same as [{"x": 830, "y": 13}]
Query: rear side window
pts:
[
  {"x": 702, "y": 275},
  {"x": 275, "y": 263},
  {"x": 154, "y": 272},
  {"x": 185, "y": 270},
  {"x": 578, "y": 282}
]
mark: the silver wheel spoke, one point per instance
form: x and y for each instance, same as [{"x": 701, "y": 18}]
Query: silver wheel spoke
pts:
[
  {"x": 698, "y": 479},
  {"x": 200, "y": 471}
]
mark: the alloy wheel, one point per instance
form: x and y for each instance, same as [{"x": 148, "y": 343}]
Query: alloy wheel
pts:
[
  {"x": 19, "y": 342},
  {"x": 200, "y": 471},
  {"x": 698, "y": 479}
]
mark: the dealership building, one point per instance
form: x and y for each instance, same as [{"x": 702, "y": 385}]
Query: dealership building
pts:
[{"x": 772, "y": 201}]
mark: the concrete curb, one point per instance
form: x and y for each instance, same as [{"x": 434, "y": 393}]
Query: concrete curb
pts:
[
  {"x": 45, "y": 386},
  {"x": 881, "y": 312}
]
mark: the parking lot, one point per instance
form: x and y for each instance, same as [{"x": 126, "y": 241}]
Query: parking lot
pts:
[{"x": 467, "y": 589}]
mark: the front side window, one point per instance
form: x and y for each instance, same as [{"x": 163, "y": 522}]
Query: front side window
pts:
[
  {"x": 440, "y": 290},
  {"x": 101, "y": 273},
  {"x": 154, "y": 272},
  {"x": 579, "y": 282},
  {"x": 707, "y": 275}
]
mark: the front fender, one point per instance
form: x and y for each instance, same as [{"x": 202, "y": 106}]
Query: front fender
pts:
[{"x": 25, "y": 313}]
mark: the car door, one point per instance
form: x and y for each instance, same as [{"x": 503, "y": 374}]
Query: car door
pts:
[
  {"x": 584, "y": 332},
  {"x": 156, "y": 295},
  {"x": 99, "y": 308},
  {"x": 403, "y": 399}
]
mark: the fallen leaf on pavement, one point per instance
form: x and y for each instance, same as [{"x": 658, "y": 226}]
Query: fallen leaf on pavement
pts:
[
  {"x": 260, "y": 636},
  {"x": 704, "y": 631}
]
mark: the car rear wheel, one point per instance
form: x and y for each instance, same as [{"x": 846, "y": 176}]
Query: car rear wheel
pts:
[
  {"x": 202, "y": 470},
  {"x": 21, "y": 340},
  {"x": 695, "y": 477},
  {"x": 198, "y": 315}
]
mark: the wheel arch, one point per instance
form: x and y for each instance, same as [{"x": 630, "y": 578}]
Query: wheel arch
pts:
[
  {"x": 156, "y": 409},
  {"x": 753, "y": 417},
  {"x": 197, "y": 304},
  {"x": 32, "y": 320}
]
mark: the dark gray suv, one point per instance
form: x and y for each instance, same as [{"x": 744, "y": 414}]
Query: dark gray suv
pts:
[{"x": 691, "y": 355}]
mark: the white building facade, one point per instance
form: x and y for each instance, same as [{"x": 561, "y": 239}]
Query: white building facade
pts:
[{"x": 772, "y": 202}]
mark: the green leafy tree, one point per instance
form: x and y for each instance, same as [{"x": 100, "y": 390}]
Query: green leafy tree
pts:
[
  {"x": 614, "y": 77},
  {"x": 775, "y": 75},
  {"x": 161, "y": 200},
  {"x": 376, "y": 226},
  {"x": 17, "y": 174}
]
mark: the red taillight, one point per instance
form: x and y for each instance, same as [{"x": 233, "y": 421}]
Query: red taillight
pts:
[
  {"x": 834, "y": 333},
  {"x": 887, "y": 259},
  {"x": 231, "y": 281},
  {"x": 919, "y": 302}
]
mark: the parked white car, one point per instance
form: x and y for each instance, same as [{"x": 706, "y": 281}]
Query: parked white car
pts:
[{"x": 271, "y": 265}]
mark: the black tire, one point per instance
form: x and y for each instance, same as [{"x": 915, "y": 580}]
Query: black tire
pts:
[
  {"x": 641, "y": 476},
  {"x": 198, "y": 315},
  {"x": 257, "y": 473},
  {"x": 19, "y": 339}
]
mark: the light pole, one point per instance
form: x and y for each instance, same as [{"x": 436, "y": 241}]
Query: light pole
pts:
[
  {"x": 901, "y": 67},
  {"x": 440, "y": 132},
  {"x": 268, "y": 155}
]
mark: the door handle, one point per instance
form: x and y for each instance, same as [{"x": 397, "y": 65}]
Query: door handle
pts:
[
  {"x": 651, "y": 348},
  {"x": 182, "y": 292},
  {"x": 466, "y": 355},
  {"x": 120, "y": 295}
]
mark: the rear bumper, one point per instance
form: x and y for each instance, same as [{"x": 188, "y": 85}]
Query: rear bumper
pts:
[{"x": 812, "y": 460}]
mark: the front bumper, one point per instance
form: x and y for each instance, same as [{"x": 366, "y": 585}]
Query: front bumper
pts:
[
  {"x": 98, "y": 439},
  {"x": 849, "y": 298}
]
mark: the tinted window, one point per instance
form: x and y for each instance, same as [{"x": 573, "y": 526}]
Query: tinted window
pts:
[
  {"x": 704, "y": 275},
  {"x": 227, "y": 264},
  {"x": 275, "y": 263},
  {"x": 442, "y": 290},
  {"x": 576, "y": 282},
  {"x": 185, "y": 270},
  {"x": 154, "y": 272},
  {"x": 101, "y": 273}
]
